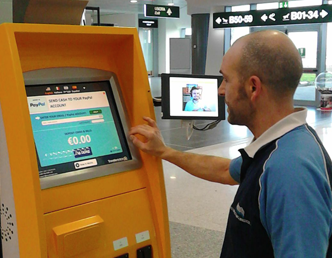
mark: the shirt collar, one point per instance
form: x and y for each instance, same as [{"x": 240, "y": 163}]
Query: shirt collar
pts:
[{"x": 282, "y": 127}]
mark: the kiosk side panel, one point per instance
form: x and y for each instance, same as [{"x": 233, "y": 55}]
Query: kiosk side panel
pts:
[
  {"x": 20, "y": 149},
  {"x": 8, "y": 213}
]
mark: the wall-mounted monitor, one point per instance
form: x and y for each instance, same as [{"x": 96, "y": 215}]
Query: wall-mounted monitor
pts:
[
  {"x": 79, "y": 128},
  {"x": 191, "y": 97}
]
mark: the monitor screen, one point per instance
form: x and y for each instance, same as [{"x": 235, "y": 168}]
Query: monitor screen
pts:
[
  {"x": 191, "y": 97},
  {"x": 75, "y": 126}
]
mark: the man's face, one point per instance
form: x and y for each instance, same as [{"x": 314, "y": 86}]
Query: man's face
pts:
[
  {"x": 239, "y": 109},
  {"x": 196, "y": 94}
]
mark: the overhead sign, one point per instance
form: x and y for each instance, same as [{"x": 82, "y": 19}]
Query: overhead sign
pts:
[
  {"x": 145, "y": 23},
  {"x": 164, "y": 11},
  {"x": 283, "y": 16},
  {"x": 283, "y": 4}
]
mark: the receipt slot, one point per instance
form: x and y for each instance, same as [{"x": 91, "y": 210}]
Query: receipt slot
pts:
[{"x": 72, "y": 185}]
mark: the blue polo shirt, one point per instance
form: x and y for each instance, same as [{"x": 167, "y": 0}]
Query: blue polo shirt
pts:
[
  {"x": 283, "y": 204},
  {"x": 191, "y": 106}
]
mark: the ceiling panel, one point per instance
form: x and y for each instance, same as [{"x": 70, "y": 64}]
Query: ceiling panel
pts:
[{"x": 124, "y": 6}]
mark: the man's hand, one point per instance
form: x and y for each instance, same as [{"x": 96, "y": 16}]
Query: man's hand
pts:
[
  {"x": 153, "y": 143},
  {"x": 215, "y": 169}
]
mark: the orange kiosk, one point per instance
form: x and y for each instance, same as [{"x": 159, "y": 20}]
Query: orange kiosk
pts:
[{"x": 71, "y": 183}]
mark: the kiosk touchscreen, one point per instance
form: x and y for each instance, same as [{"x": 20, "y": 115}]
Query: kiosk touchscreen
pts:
[{"x": 77, "y": 127}]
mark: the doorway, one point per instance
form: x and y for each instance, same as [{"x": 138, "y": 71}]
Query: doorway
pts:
[
  {"x": 308, "y": 41},
  {"x": 146, "y": 37}
]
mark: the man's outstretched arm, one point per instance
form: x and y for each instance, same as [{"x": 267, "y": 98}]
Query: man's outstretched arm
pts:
[{"x": 211, "y": 168}]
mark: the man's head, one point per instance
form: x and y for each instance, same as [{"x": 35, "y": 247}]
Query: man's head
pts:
[
  {"x": 195, "y": 93},
  {"x": 273, "y": 57},
  {"x": 260, "y": 65}
]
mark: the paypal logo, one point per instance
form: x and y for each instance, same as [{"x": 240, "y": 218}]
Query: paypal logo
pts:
[{"x": 39, "y": 104}]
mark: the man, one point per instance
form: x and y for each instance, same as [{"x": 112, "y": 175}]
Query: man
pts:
[
  {"x": 195, "y": 103},
  {"x": 283, "y": 204}
]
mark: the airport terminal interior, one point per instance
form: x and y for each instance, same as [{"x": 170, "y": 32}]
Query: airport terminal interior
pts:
[{"x": 197, "y": 209}]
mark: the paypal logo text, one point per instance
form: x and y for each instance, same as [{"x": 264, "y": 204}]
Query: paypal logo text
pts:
[{"x": 39, "y": 104}]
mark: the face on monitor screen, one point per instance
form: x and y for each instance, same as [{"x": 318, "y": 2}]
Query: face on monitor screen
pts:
[
  {"x": 190, "y": 95},
  {"x": 75, "y": 126}
]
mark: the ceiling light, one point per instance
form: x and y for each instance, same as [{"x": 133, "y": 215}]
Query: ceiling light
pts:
[
  {"x": 133, "y": 1},
  {"x": 171, "y": 3}
]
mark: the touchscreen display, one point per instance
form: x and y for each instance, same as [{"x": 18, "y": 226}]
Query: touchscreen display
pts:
[{"x": 75, "y": 126}]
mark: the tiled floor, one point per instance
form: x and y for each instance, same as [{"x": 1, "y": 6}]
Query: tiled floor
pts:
[{"x": 198, "y": 209}]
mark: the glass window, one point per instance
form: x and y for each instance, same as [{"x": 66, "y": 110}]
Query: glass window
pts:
[
  {"x": 307, "y": 79},
  {"x": 329, "y": 48},
  {"x": 306, "y": 42},
  {"x": 304, "y": 3},
  {"x": 147, "y": 48},
  {"x": 306, "y": 90},
  {"x": 267, "y": 6},
  {"x": 239, "y": 32},
  {"x": 240, "y": 8}
]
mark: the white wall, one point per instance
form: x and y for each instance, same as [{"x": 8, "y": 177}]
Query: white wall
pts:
[
  {"x": 215, "y": 48},
  {"x": 121, "y": 20},
  {"x": 170, "y": 28},
  {"x": 6, "y": 11}
]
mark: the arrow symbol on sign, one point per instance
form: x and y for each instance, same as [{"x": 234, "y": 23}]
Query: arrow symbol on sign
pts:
[
  {"x": 264, "y": 17},
  {"x": 169, "y": 12},
  {"x": 271, "y": 16},
  {"x": 323, "y": 13},
  {"x": 218, "y": 20}
]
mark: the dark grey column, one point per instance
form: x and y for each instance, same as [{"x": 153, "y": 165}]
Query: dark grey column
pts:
[
  {"x": 48, "y": 11},
  {"x": 19, "y": 9},
  {"x": 200, "y": 33}
]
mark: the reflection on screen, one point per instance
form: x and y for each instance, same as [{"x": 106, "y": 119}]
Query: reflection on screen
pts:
[{"x": 75, "y": 127}]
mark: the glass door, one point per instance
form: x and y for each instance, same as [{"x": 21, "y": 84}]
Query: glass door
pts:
[
  {"x": 146, "y": 38},
  {"x": 308, "y": 40}
]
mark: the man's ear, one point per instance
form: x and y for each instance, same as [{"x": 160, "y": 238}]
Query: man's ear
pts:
[{"x": 255, "y": 87}]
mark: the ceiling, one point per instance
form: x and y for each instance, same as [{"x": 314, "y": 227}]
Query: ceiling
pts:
[{"x": 124, "y": 6}]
